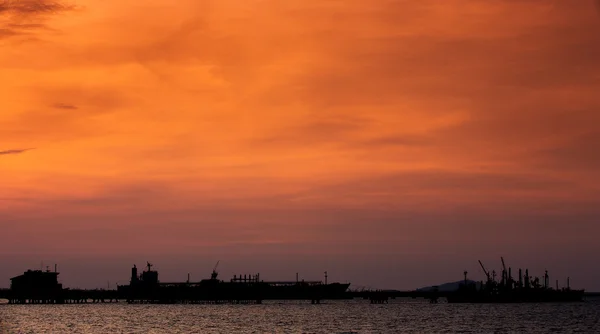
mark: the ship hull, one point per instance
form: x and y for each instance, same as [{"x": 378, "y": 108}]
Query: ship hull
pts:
[
  {"x": 329, "y": 291},
  {"x": 226, "y": 291}
]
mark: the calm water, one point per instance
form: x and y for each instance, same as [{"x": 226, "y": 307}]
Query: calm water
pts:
[{"x": 291, "y": 317}]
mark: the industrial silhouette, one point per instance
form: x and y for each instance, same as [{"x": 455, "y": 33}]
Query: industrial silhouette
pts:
[
  {"x": 509, "y": 290},
  {"x": 42, "y": 287},
  {"x": 35, "y": 287}
]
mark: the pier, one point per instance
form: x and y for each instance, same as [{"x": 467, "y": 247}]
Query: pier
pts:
[
  {"x": 42, "y": 287},
  {"x": 383, "y": 296},
  {"x": 113, "y": 296},
  {"x": 66, "y": 296}
]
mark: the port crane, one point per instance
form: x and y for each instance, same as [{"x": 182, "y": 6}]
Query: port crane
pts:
[
  {"x": 214, "y": 272},
  {"x": 504, "y": 272},
  {"x": 487, "y": 274}
]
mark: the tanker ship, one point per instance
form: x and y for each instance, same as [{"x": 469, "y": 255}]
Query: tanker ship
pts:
[{"x": 147, "y": 287}]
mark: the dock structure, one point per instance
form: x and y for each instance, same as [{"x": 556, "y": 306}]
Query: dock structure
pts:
[
  {"x": 66, "y": 297},
  {"x": 509, "y": 289},
  {"x": 42, "y": 287},
  {"x": 383, "y": 296},
  {"x": 378, "y": 297},
  {"x": 35, "y": 287}
]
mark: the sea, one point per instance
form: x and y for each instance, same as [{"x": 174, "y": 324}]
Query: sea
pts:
[{"x": 354, "y": 316}]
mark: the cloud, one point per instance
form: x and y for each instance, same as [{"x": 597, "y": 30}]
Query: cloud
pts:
[
  {"x": 579, "y": 153},
  {"x": 398, "y": 140},
  {"x": 24, "y": 17},
  {"x": 32, "y": 7},
  {"x": 65, "y": 106},
  {"x": 7, "y": 152},
  {"x": 45, "y": 119},
  {"x": 446, "y": 183},
  {"x": 424, "y": 120},
  {"x": 317, "y": 130}
]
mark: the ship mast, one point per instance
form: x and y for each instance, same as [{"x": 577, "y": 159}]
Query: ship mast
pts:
[{"x": 504, "y": 272}]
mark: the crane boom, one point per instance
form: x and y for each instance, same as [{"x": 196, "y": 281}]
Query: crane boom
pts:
[
  {"x": 504, "y": 271},
  {"x": 485, "y": 271},
  {"x": 214, "y": 273}
]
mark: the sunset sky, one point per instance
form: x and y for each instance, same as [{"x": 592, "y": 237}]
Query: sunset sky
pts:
[{"x": 392, "y": 143}]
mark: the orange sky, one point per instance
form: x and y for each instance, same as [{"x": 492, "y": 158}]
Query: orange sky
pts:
[{"x": 405, "y": 138}]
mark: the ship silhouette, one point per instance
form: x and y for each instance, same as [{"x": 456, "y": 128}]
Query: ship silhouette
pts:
[
  {"x": 526, "y": 289},
  {"x": 147, "y": 288}
]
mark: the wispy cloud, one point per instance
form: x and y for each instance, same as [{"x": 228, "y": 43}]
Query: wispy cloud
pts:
[
  {"x": 64, "y": 106},
  {"x": 22, "y": 17},
  {"x": 414, "y": 120},
  {"x": 7, "y": 152},
  {"x": 32, "y": 7}
]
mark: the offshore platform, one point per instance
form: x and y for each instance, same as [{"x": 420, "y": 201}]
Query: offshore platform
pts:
[
  {"x": 42, "y": 287},
  {"x": 36, "y": 285},
  {"x": 525, "y": 289}
]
